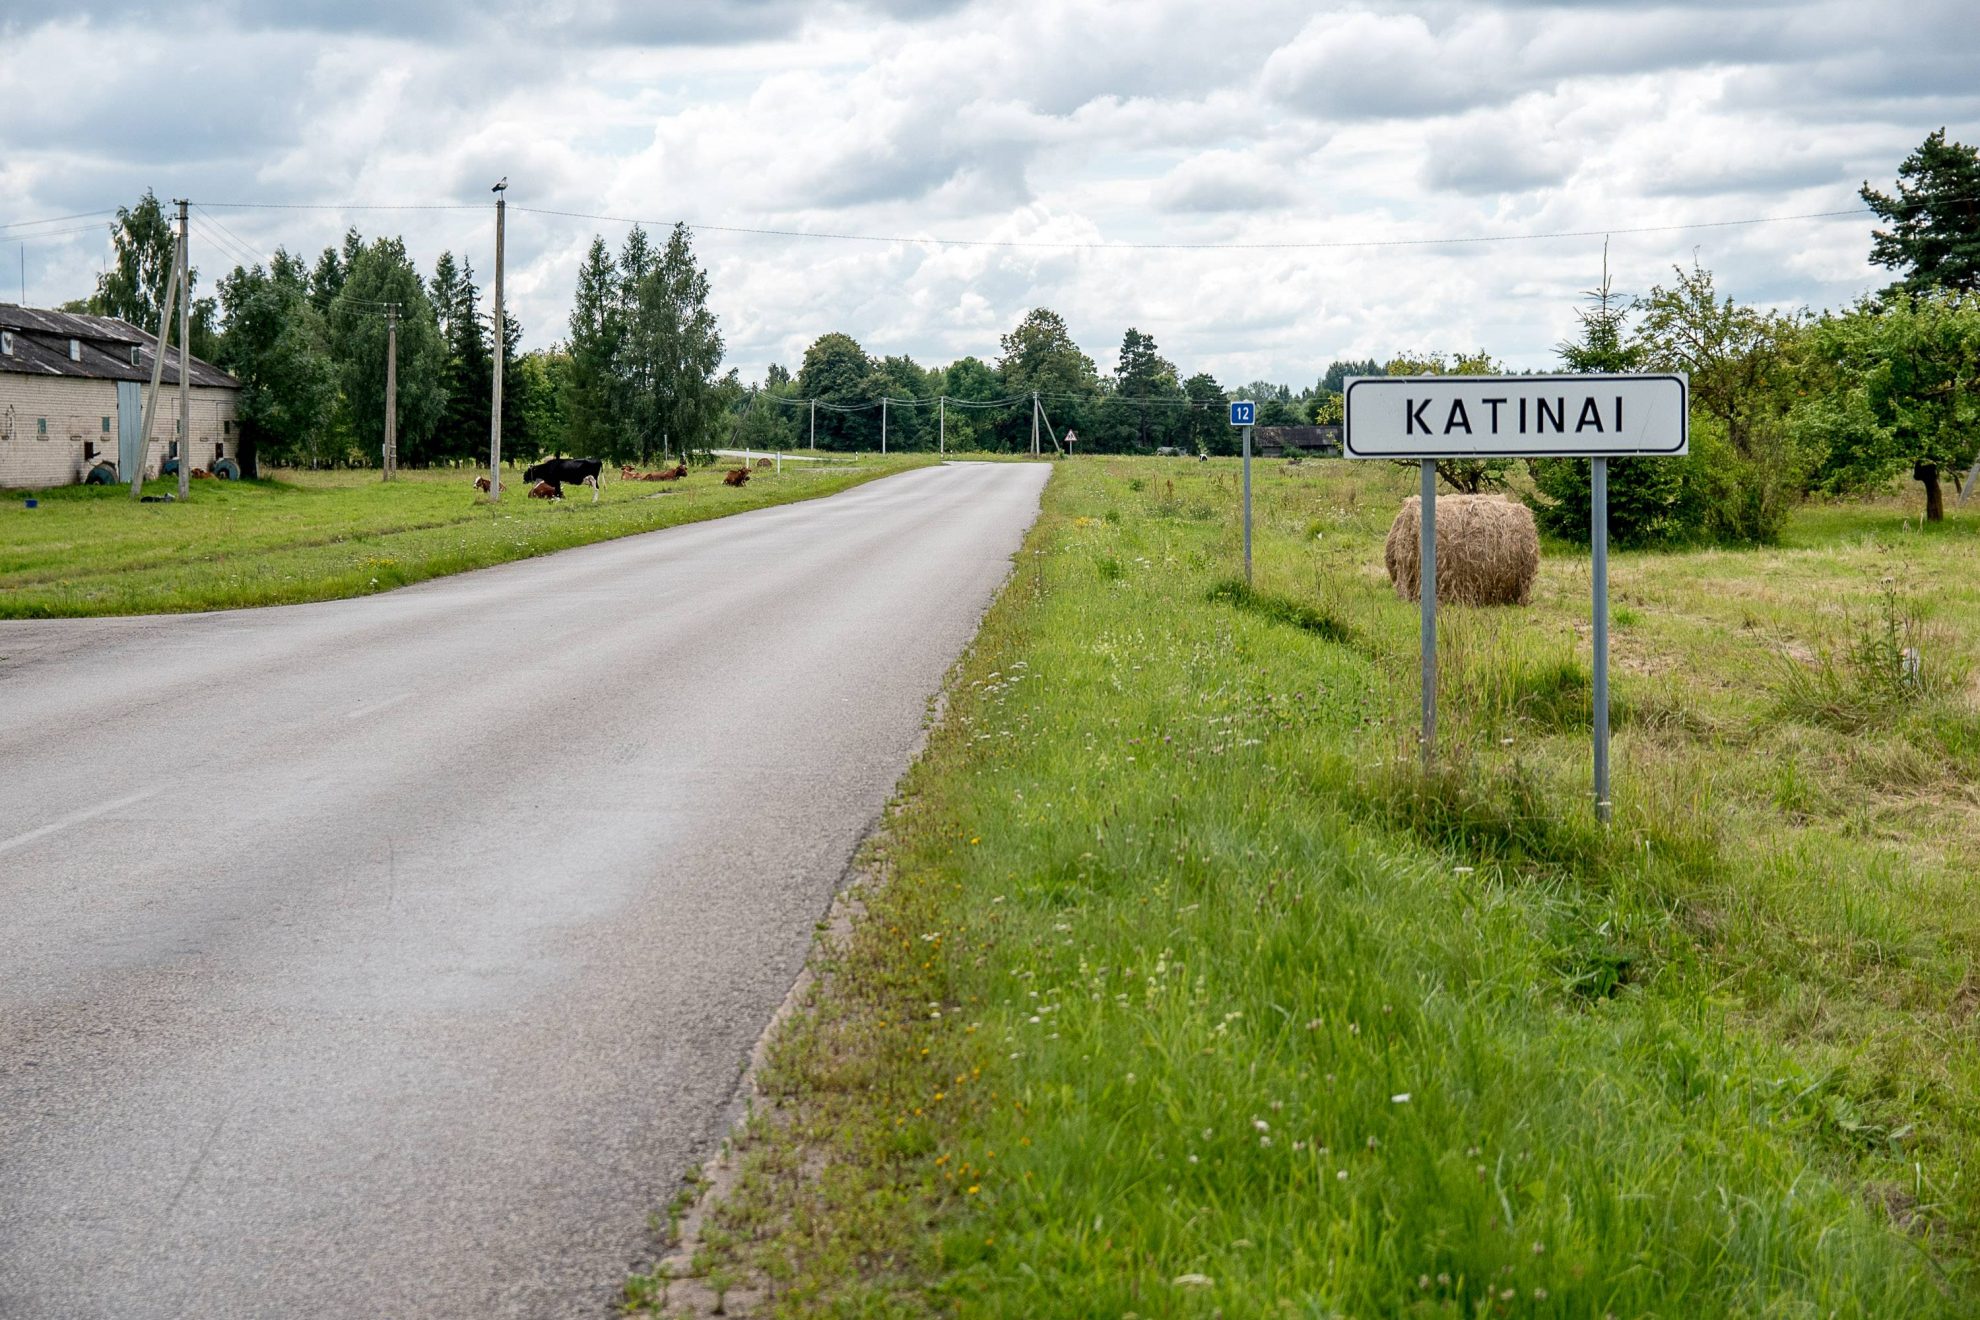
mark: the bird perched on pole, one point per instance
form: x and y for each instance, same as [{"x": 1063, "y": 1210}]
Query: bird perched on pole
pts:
[{"x": 500, "y": 186}]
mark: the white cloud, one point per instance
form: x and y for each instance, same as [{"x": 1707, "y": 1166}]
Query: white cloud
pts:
[{"x": 1022, "y": 121}]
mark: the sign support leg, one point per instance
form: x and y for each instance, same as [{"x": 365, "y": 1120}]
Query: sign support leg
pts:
[
  {"x": 1247, "y": 505},
  {"x": 1426, "y": 581},
  {"x": 1598, "y": 478}
]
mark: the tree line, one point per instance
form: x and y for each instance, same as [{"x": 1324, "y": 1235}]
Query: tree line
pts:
[{"x": 1785, "y": 404}]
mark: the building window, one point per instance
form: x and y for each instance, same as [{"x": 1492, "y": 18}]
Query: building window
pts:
[
  {"x": 178, "y": 426},
  {"x": 75, "y": 350},
  {"x": 219, "y": 452},
  {"x": 7, "y": 342},
  {"x": 89, "y": 451},
  {"x": 136, "y": 352},
  {"x": 227, "y": 427},
  {"x": 41, "y": 427},
  {"x": 106, "y": 426}
]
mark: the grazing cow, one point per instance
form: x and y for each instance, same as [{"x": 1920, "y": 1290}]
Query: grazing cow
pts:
[
  {"x": 557, "y": 471},
  {"x": 481, "y": 484},
  {"x": 735, "y": 476},
  {"x": 543, "y": 490},
  {"x": 674, "y": 473}
]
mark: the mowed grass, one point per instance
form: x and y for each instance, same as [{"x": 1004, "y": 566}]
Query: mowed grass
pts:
[
  {"x": 301, "y": 536},
  {"x": 1188, "y": 994}
]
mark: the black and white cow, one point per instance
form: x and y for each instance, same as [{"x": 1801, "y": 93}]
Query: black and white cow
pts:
[{"x": 557, "y": 471}]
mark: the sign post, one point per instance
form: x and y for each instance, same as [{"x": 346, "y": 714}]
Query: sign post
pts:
[
  {"x": 1244, "y": 415},
  {"x": 1597, "y": 417},
  {"x": 1426, "y": 593}
]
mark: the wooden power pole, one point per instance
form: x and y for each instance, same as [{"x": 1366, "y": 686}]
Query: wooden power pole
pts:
[
  {"x": 501, "y": 341},
  {"x": 391, "y": 455},
  {"x": 157, "y": 371},
  {"x": 185, "y": 360}
]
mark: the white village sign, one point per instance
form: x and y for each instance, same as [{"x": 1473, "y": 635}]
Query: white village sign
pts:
[
  {"x": 1507, "y": 416},
  {"x": 1598, "y": 417}
]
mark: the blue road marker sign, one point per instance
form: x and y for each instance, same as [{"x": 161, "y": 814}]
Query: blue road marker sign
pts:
[{"x": 1244, "y": 414}]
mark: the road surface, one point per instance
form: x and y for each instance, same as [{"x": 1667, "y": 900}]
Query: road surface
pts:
[{"x": 396, "y": 956}]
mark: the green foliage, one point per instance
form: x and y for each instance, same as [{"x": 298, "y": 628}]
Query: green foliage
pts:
[
  {"x": 1739, "y": 359},
  {"x": 470, "y": 364},
  {"x": 1934, "y": 234},
  {"x": 1468, "y": 476},
  {"x": 645, "y": 352},
  {"x": 1895, "y": 386},
  {"x": 277, "y": 345},
  {"x": 1874, "y": 674},
  {"x": 373, "y": 275},
  {"x": 837, "y": 372},
  {"x": 1335, "y": 378},
  {"x": 133, "y": 288}
]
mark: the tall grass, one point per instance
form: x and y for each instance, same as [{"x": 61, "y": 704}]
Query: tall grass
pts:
[{"x": 1191, "y": 994}]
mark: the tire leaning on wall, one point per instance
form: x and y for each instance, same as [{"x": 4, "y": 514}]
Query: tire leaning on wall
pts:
[
  {"x": 227, "y": 469},
  {"x": 103, "y": 474}
]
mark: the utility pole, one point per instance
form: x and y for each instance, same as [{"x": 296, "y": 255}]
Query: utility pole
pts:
[
  {"x": 1034, "y": 423},
  {"x": 501, "y": 340},
  {"x": 391, "y": 390},
  {"x": 185, "y": 362},
  {"x": 883, "y": 424},
  {"x": 814, "y": 426},
  {"x": 942, "y": 424},
  {"x": 157, "y": 372}
]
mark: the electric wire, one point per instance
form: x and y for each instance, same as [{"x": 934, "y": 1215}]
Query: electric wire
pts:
[{"x": 56, "y": 219}]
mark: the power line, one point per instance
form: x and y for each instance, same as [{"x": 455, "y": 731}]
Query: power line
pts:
[
  {"x": 240, "y": 243},
  {"x": 350, "y": 206},
  {"x": 56, "y": 219},
  {"x": 57, "y": 233},
  {"x": 1290, "y": 245}
]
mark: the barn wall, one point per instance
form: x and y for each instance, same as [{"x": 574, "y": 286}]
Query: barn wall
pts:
[{"x": 76, "y": 410}]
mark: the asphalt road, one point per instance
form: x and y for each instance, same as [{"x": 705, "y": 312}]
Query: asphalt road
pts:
[{"x": 396, "y": 956}]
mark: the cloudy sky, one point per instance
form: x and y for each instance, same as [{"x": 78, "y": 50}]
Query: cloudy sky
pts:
[{"x": 1069, "y": 138}]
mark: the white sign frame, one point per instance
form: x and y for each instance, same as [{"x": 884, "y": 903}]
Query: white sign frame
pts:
[
  {"x": 1615, "y": 415},
  {"x": 1598, "y": 415}
]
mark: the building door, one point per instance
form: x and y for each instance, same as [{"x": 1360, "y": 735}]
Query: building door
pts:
[{"x": 130, "y": 428}]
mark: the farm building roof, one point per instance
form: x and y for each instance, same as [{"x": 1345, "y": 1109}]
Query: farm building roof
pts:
[{"x": 40, "y": 342}]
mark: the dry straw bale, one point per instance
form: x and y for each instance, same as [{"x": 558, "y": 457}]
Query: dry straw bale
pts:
[{"x": 1488, "y": 551}]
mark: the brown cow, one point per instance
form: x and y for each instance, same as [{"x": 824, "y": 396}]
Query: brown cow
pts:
[
  {"x": 481, "y": 484},
  {"x": 735, "y": 477},
  {"x": 543, "y": 490}
]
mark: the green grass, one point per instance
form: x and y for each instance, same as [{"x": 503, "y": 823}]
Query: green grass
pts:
[
  {"x": 1188, "y": 994},
  {"x": 301, "y": 536}
]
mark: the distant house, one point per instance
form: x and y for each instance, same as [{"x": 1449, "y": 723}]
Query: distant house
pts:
[
  {"x": 72, "y": 398},
  {"x": 1307, "y": 441}
]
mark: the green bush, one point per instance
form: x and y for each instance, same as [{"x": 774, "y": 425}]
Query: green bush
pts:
[
  {"x": 1745, "y": 499},
  {"x": 1650, "y": 502},
  {"x": 1714, "y": 495}
]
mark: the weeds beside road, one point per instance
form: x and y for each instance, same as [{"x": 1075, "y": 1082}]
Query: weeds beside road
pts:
[
  {"x": 1188, "y": 994},
  {"x": 302, "y": 536}
]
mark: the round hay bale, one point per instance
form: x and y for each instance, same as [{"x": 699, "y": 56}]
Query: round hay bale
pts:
[{"x": 1488, "y": 550}]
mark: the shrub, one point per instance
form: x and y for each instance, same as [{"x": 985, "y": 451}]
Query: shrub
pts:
[
  {"x": 1714, "y": 495},
  {"x": 1650, "y": 502}
]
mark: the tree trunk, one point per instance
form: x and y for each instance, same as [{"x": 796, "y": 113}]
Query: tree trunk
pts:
[{"x": 1935, "y": 500}]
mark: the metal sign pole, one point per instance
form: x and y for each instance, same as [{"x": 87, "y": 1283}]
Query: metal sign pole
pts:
[
  {"x": 1598, "y": 483},
  {"x": 1426, "y": 590},
  {"x": 1247, "y": 506}
]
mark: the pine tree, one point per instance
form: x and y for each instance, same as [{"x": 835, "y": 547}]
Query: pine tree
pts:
[
  {"x": 597, "y": 333},
  {"x": 1934, "y": 238}
]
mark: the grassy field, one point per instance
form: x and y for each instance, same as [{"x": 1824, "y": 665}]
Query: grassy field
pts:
[
  {"x": 1186, "y": 993},
  {"x": 299, "y": 536}
]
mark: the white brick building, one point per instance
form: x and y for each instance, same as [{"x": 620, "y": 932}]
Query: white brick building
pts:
[{"x": 72, "y": 397}]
